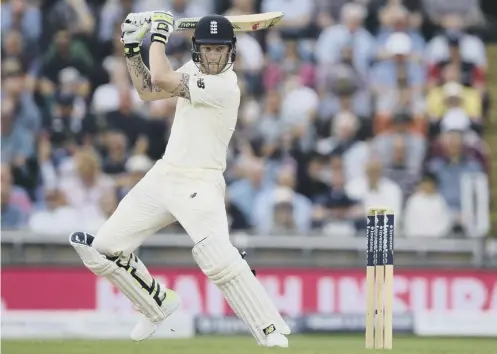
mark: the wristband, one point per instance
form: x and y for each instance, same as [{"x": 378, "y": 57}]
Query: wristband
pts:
[
  {"x": 130, "y": 50},
  {"x": 159, "y": 38}
]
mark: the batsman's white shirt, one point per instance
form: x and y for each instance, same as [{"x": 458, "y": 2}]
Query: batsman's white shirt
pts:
[
  {"x": 203, "y": 125},
  {"x": 187, "y": 184}
]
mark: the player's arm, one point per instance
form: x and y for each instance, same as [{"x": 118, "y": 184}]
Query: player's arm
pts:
[
  {"x": 142, "y": 80},
  {"x": 162, "y": 74},
  {"x": 163, "y": 77},
  {"x": 134, "y": 29}
]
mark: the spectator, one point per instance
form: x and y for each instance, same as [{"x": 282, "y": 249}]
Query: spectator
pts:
[
  {"x": 241, "y": 7},
  {"x": 394, "y": 19},
  {"x": 456, "y": 119},
  {"x": 188, "y": 8},
  {"x": 251, "y": 57},
  {"x": 136, "y": 168},
  {"x": 283, "y": 218},
  {"x": 125, "y": 120},
  {"x": 328, "y": 12},
  {"x": 160, "y": 116},
  {"x": 18, "y": 197},
  {"x": 397, "y": 82},
  {"x": 449, "y": 170},
  {"x": 13, "y": 216},
  {"x": 27, "y": 19},
  {"x": 71, "y": 82},
  {"x": 106, "y": 97},
  {"x": 57, "y": 217},
  {"x": 342, "y": 141},
  {"x": 320, "y": 174},
  {"x": 374, "y": 189},
  {"x": 298, "y": 14},
  {"x": 456, "y": 47},
  {"x": 65, "y": 51},
  {"x": 298, "y": 111},
  {"x": 286, "y": 59},
  {"x": 469, "y": 10},
  {"x": 266, "y": 133},
  {"x": 74, "y": 15},
  {"x": 85, "y": 189},
  {"x": 349, "y": 33},
  {"x": 116, "y": 153},
  {"x": 453, "y": 95},
  {"x": 398, "y": 169},
  {"x": 344, "y": 89},
  {"x": 426, "y": 213},
  {"x": 335, "y": 205},
  {"x": 65, "y": 128},
  {"x": 15, "y": 46},
  {"x": 236, "y": 219},
  {"x": 243, "y": 193},
  {"x": 415, "y": 145},
  {"x": 113, "y": 12},
  {"x": 281, "y": 209},
  {"x": 15, "y": 88},
  {"x": 17, "y": 139},
  {"x": 47, "y": 177}
]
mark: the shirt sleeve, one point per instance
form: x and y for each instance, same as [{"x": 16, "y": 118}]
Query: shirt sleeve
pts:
[
  {"x": 184, "y": 68},
  {"x": 210, "y": 90}
]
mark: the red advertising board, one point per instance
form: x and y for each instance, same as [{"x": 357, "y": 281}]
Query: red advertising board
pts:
[{"x": 296, "y": 291}]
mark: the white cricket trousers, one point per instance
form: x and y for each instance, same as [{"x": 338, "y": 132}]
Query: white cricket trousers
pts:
[{"x": 166, "y": 194}]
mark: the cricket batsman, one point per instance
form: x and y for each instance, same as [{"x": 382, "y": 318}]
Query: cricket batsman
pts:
[{"x": 186, "y": 185}]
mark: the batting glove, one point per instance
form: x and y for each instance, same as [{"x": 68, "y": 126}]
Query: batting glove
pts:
[
  {"x": 162, "y": 26},
  {"x": 134, "y": 28}
]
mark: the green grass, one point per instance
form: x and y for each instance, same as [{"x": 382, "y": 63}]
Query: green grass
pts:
[{"x": 322, "y": 344}]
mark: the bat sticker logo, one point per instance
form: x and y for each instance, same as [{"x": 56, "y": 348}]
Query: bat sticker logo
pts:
[
  {"x": 255, "y": 26},
  {"x": 191, "y": 24}
]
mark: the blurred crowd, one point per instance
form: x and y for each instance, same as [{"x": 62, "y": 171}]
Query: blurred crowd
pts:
[{"x": 345, "y": 105}]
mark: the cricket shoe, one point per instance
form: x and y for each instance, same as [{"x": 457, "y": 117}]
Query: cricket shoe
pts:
[
  {"x": 146, "y": 327},
  {"x": 276, "y": 339}
]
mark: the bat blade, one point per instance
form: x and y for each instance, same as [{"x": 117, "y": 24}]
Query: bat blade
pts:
[{"x": 241, "y": 23}]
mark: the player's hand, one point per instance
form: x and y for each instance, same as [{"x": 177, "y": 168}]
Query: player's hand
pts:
[
  {"x": 162, "y": 26},
  {"x": 134, "y": 28}
]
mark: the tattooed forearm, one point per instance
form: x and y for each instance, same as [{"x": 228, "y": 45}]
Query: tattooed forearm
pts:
[
  {"x": 183, "y": 88},
  {"x": 140, "y": 75},
  {"x": 176, "y": 85}
]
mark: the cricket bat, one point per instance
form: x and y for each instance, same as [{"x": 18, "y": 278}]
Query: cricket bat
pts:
[{"x": 241, "y": 23}]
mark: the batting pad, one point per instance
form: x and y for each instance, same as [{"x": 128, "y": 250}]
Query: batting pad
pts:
[
  {"x": 128, "y": 274},
  {"x": 223, "y": 264}
]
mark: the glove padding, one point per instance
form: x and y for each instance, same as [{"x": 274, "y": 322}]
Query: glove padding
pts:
[
  {"x": 162, "y": 26},
  {"x": 134, "y": 28}
]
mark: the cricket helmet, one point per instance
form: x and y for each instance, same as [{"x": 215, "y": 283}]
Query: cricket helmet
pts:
[{"x": 213, "y": 29}]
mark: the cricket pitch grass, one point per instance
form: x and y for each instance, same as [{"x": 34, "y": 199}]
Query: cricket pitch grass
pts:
[{"x": 320, "y": 344}]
